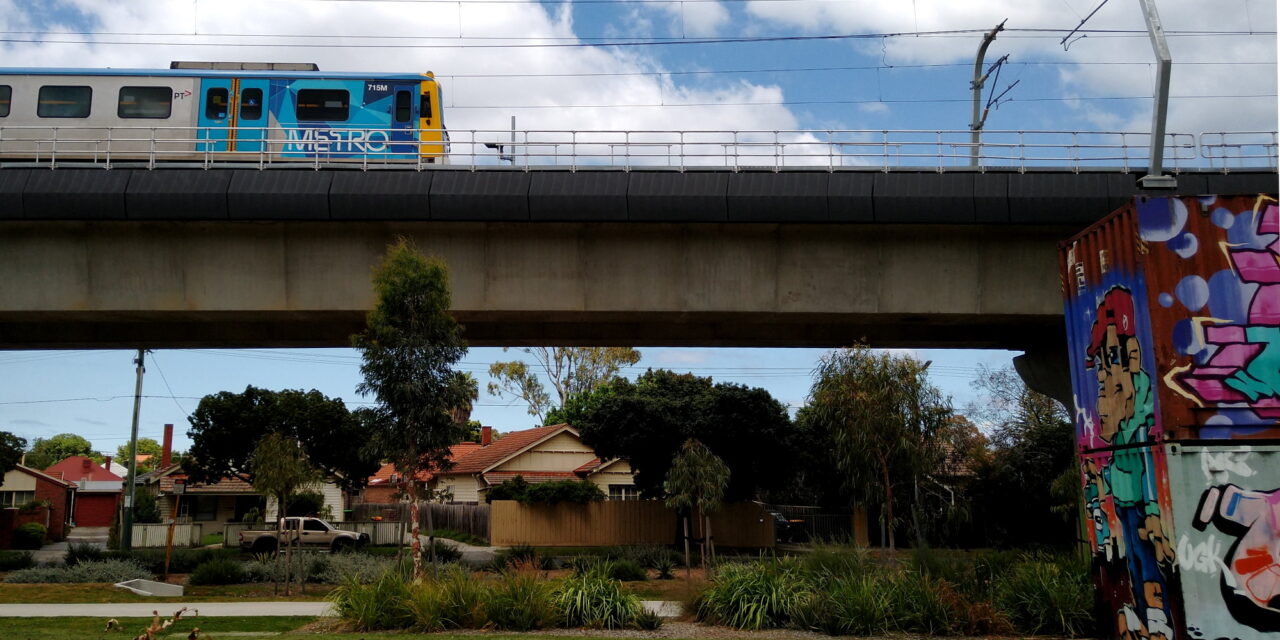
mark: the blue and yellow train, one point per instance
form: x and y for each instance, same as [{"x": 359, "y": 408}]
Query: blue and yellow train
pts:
[{"x": 224, "y": 111}]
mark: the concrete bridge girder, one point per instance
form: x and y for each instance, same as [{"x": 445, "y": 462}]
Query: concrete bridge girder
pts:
[{"x": 72, "y": 284}]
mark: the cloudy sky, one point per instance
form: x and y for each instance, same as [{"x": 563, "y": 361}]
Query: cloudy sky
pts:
[{"x": 640, "y": 65}]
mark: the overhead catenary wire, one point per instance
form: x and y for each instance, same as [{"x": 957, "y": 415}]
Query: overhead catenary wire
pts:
[{"x": 332, "y": 43}]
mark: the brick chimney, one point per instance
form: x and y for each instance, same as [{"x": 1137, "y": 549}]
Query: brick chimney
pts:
[
  {"x": 486, "y": 436},
  {"x": 106, "y": 463},
  {"x": 166, "y": 452}
]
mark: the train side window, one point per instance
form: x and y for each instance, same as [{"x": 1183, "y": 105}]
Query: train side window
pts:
[
  {"x": 323, "y": 105},
  {"x": 145, "y": 102},
  {"x": 6, "y": 94},
  {"x": 403, "y": 106},
  {"x": 215, "y": 103},
  {"x": 55, "y": 101},
  {"x": 251, "y": 104},
  {"x": 424, "y": 106}
]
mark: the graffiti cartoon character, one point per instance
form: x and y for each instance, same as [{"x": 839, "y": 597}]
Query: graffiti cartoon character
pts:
[{"x": 1126, "y": 415}]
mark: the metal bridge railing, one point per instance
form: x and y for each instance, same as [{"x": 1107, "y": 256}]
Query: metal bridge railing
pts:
[{"x": 939, "y": 150}]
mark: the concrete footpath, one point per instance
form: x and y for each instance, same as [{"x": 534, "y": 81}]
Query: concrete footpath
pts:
[{"x": 214, "y": 609}]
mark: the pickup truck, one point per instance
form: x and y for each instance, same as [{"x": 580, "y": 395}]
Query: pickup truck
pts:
[{"x": 313, "y": 532}]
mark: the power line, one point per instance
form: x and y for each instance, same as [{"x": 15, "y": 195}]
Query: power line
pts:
[
  {"x": 615, "y": 42},
  {"x": 833, "y": 102}
]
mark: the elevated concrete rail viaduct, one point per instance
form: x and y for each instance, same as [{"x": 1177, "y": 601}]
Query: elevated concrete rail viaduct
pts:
[{"x": 164, "y": 258}]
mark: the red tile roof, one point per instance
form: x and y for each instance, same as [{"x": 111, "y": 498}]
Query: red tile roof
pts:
[
  {"x": 590, "y": 466},
  {"x": 74, "y": 469},
  {"x": 512, "y": 443},
  {"x": 456, "y": 452},
  {"x": 224, "y": 485}
]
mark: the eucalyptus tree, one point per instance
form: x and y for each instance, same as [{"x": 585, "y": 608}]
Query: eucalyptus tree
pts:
[
  {"x": 696, "y": 481},
  {"x": 883, "y": 415},
  {"x": 572, "y": 371},
  {"x": 408, "y": 351}
]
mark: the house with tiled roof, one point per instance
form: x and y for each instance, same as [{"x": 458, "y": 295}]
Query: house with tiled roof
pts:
[
  {"x": 31, "y": 495},
  {"x": 542, "y": 454},
  {"x": 98, "y": 491},
  {"x": 388, "y": 484}
]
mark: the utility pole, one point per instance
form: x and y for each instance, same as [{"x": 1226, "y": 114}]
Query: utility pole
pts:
[
  {"x": 1155, "y": 178},
  {"x": 126, "y": 530},
  {"x": 978, "y": 80}
]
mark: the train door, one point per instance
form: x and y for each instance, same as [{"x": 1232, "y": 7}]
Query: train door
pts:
[
  {"x": 251, "y": 115},
  {"x": 403, "y": 121},
  {"x": 215, "y": 114}
]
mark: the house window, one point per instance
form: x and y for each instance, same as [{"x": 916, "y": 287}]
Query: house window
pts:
[
  {"x": 323, "y": 105},
  {"x": 623, "y": 492},
  {"x": 145, "y": 102},
  {"x": 206, "y": 508},
  {"x": 15, "y": 499},
  {"x": 63, "y": 102}
]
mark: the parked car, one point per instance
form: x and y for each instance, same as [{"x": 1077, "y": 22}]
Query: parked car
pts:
[
  {"x": 312, "y": 532},
  {"x": 787, "y": 529}
]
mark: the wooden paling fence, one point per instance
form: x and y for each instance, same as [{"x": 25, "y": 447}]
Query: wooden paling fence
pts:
[
  {"x": 155, "y": 535},
  {"x": 467, "y": 518},
  {"x": 742, "y": 524}
]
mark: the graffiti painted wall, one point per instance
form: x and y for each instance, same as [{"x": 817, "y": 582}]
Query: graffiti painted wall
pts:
[
  {"x": 1173, "y": 322},
  {"x": 1227, "y": 501}
]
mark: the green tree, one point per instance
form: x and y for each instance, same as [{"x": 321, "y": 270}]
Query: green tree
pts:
[
  {"x": 226, "y": 429},
  {"x": 281, "y": 468},
  {"x": 883, "y": 415},
  {"x": 408, "y": 351},
  {"x": 46, "y": 452},
  {"x": 647, "y": 422},
  {"x": 146, "y": 447},
  {"x": 572, "y": 371},
  {"x": 696, "y": 482},
  {"x": 11, "y": 449},
  {"x": 1031, "y": 463}
]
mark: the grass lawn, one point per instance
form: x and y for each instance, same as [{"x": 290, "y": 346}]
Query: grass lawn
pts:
[
  {"x": 82, "y": 592},
  {"x": 211, "y": 539},
  {"x": 94, "y": 628}
]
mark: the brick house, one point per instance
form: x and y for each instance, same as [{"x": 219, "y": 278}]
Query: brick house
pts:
[
  {"x": 98, "y": 491},
  {"x": 23, "y": 485},
  {"x": 542, "y": 454}
]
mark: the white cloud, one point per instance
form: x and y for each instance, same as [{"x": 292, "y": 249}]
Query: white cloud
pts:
[
  {"x": 1088, "y": 78},
  {"x": 697, "y": 19},
  {"x": 487, "y": 23}
]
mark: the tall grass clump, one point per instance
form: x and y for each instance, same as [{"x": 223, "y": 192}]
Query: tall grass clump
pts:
[
  {"x": 593, "y": 599},
  {"x": 381, "y": 604},
  {"x": 858, "y": 605},
  {"x": 836, "y": 560},
  {"x": 521, "y": 555},
  {"x": 757, "y": 595},
  {"x": 924, "y": 604},
  {"x": 462, "y": 599},
  {"x": 521, "y": 602},
  {"x": 1040, "y": 595}
]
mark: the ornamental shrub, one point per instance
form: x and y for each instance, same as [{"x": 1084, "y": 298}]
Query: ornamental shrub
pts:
[
  {"x": 29, "y": 536},
  {"x": 111, "y": 571},
  {"x": 596, "y": 601},
  {"x": 218, "y": 571},
  {"x": 14, "y": 560},
  {"x": 575, "y": 491}
]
